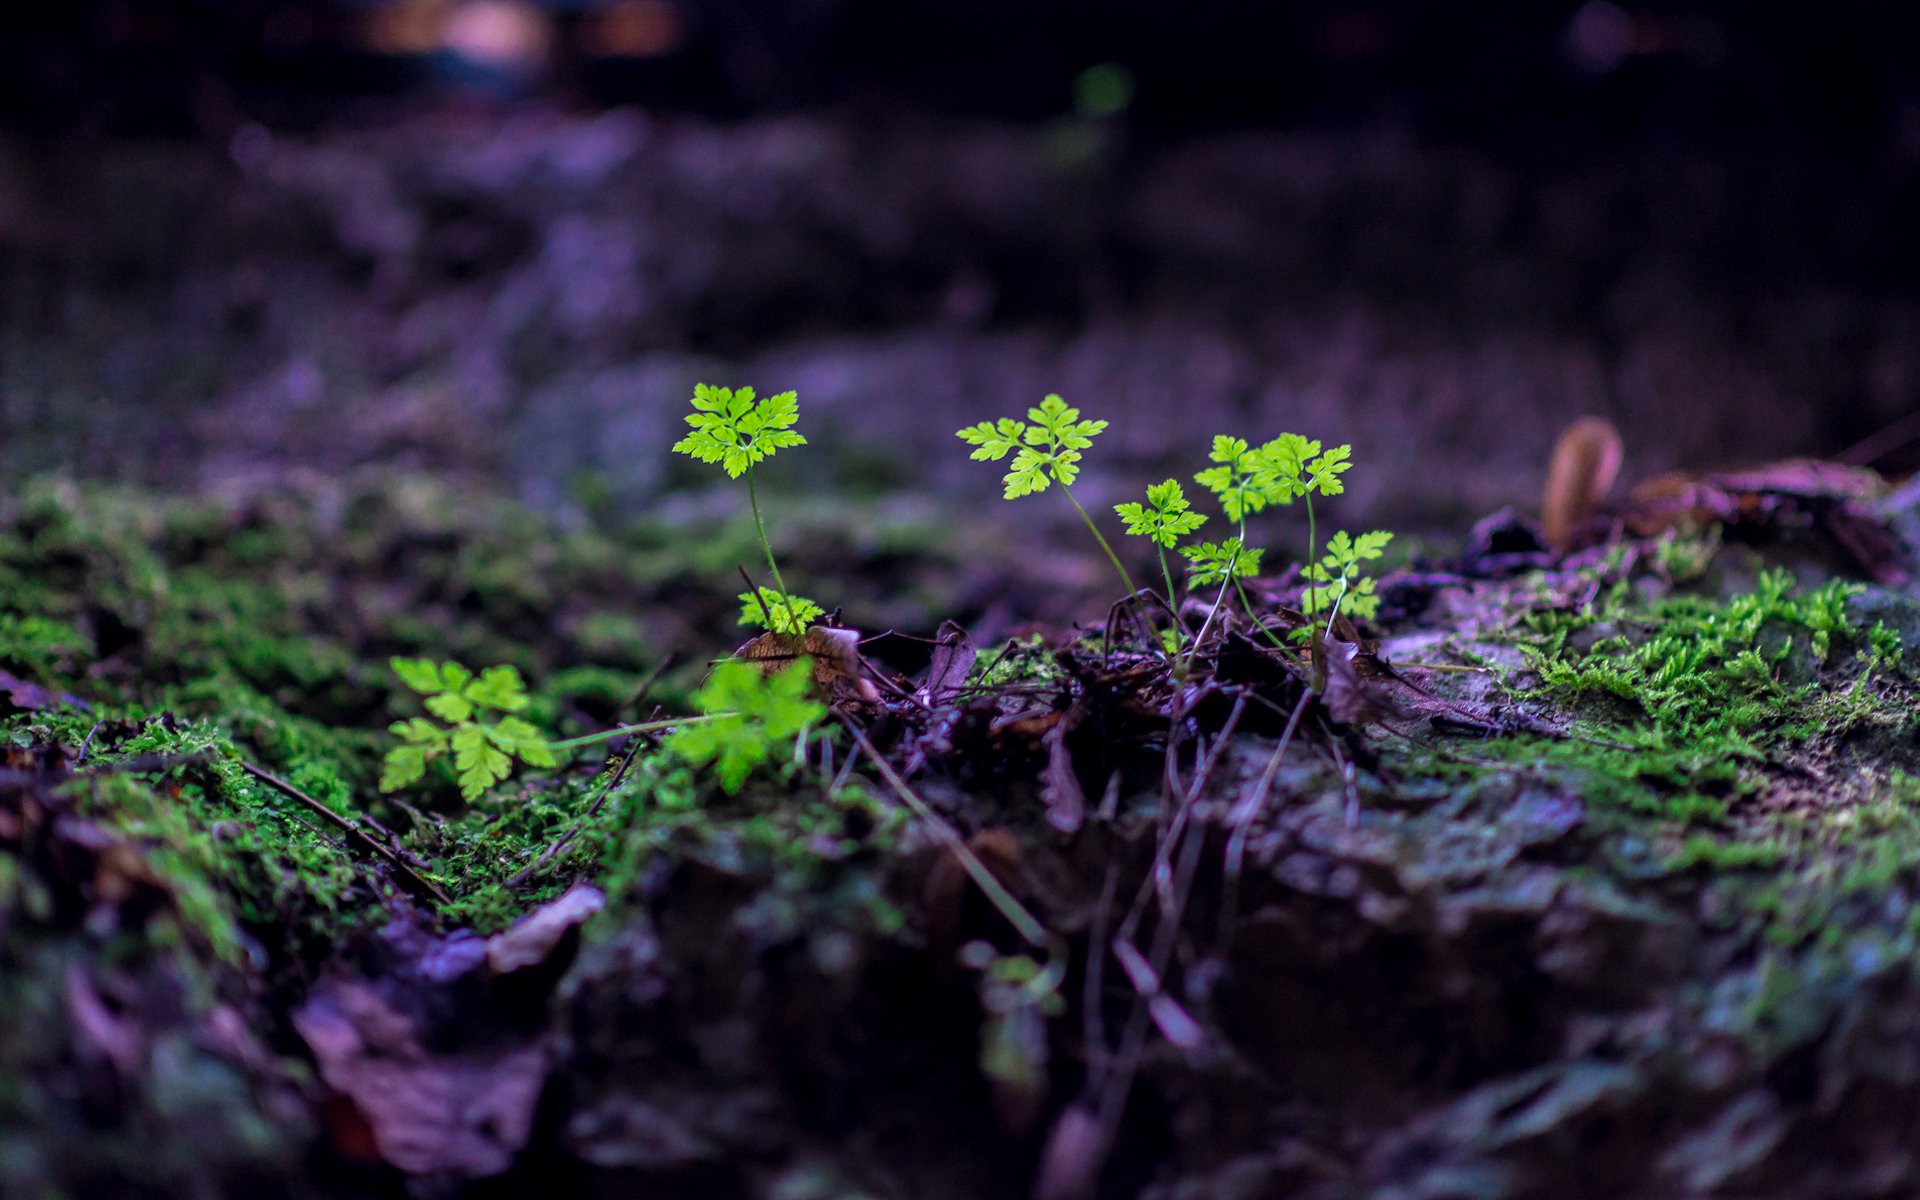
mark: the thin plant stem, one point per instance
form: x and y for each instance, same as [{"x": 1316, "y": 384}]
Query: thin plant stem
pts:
[
  {"x": 1313, "y": 552},
  {"x": 1098, "y": 537},
  {"x": 1173, "y": 604},
  {"x": 1259, "y": 624},
  {"x": 753, "y": 498},
  {"x": 1024, "y": 923},
  {"x": 1333, "y": 610},
  {"x": 1208, "y": 623},
  {"x": 642, "y": 727}
]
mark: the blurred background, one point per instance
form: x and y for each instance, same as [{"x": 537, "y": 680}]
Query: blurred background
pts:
[{"x": 500, "y": 239}]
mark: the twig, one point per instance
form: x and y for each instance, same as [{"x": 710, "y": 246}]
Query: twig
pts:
[
  {"x": 642, "y": 727},
  {"x": 1024, "y": 923},
  {"x": 1093, "y": 1024},
  {"x": 87, "y": 744},
  {"x": 646, "y": 685},
  {"x": 354, "y": 832},
  {"x": 1241, "y": 819},
  {"x": 564, "y": 840}
]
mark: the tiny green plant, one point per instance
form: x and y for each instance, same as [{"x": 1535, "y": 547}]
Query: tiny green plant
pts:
[
  {"x": 1340, "y": 570},
  {"x": 737, "y": 429},
  {"x": 1225, "y": 563},
  {"x": 1221, "y": 562},
  {"x": 1247, "y": 480},
  {"x": 1046, "y": 450},
  {"x": 1164, "y": 519},
  {"x": 476, "y": 727},
  {"x": 1292, "y": 465},
  {"x": 749, "y": 714}
]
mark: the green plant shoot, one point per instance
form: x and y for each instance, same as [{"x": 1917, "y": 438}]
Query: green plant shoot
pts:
[
  {"x": 783, "y": 614},
  {"x": 1237, "y": 479},
  {"x": 749, "y": 715},
  {"x": 1164, "y": 519},
  {"x": 1291, "y": 466},
  {"x": 1340, "y": 570},
  {"x": 735, "y": 429},
  {"x": 1224, "y": 563},
  {"x": 483, "y": 742},
  {"x": 1046, "y": 450},
  {"x": 1221, "y": 562},
  {"x": 1247, "y": 480}
]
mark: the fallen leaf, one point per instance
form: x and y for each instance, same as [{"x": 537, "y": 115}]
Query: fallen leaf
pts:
[
  {"x": 458, "y": 1116},
  {"x": 953, "y": 657},
  {"x": 1585, "y": 462},
  {"x": 533, "y": 938},
  {"x": 838, "y": 669},
  {"x": 1066, "y": 801},
  {"x": 1350, "y": 699},
  {"x": 1075, "y": 1152}
]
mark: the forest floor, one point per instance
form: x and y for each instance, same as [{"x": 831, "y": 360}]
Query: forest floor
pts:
[{"x": 1573, "y": 876}]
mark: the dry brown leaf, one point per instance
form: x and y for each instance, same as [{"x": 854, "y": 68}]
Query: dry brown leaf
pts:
[
  {"x": 533, "y": 938},
  {"x": 1585, "y": 462},
  {"x": 953, "y": 657},
  {"x": 455, "y": 1116},
  {"x": 1350, "y": 699},
  {"x": 839, "y": 672}
]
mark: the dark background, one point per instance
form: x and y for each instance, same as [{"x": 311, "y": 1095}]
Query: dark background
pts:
[{"x": 502, "y": 239}]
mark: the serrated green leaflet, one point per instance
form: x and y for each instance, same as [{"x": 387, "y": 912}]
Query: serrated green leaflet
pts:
[
  {"x": 752, "y": 715},
  {"x": 735, "y": 429},
  {"x": 1046, "y": 450},
  {"x": 482, "y": 748}
]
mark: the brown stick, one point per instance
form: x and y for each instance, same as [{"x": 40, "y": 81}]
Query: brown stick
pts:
[{"x": 354, "y": 832}]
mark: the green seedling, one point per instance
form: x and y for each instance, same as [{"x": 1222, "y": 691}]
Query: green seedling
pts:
[
  {"x": 1340, "y": 570},
  {"x": 1247, "y": 480},
  {"x": 1046, "y": 450},
  {"x": 748, "y": 715},
  {"x": 735, "y": 429},
  {"x": 1164, "y": 519},
  {"x": 474, "y": 728},
  {"x": 1221, "y": 562},
  {"x": 1237, "y": 479},
  {"x": 1225, "y": 563}
]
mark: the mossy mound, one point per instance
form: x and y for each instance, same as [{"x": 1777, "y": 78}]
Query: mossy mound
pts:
[{"x": 1600, "y": 882}]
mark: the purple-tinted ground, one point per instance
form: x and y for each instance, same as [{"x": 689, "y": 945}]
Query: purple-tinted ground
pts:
[{"x": 521, "y": 299}]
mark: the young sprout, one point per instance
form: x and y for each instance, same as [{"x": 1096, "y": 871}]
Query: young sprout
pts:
[
  {"x": 1247, "y": 480},
  {"x": 1291, "y": 465},
  {"x": 1046, "y": 450},
  {"x": 1164, "y": 519},
  {"x": 749, "y": 715},
  {"x": 1224, "y": 563},
  {"x": 735, "y": 429},
  {"x": 1239, "y": 481},
  {"x": 483, "y": 741},
  {"x": 1340, "y": 571}
]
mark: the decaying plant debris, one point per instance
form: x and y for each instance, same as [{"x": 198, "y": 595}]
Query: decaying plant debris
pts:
[{"x": 1570, "y": 875}]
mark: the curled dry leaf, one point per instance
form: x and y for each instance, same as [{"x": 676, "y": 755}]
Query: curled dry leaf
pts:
[
  {"x": 1585, "y": 462},
  {"x": 839, "y": 672},
  {"x": 1350, "y": 699},
  {"x": 534, "y": 937},
  {"x": 953, "y": 657},
  {"x": 454, "y": 1116}
]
